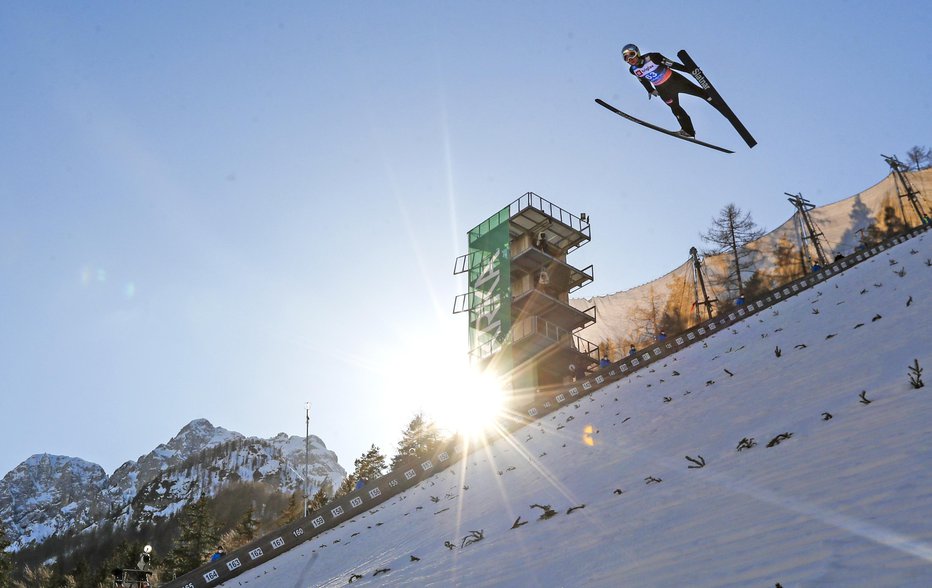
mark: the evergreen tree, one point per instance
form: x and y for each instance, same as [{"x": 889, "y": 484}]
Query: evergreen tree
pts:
[
  {"x": 6, "y": 561},
  {"x": 293, "y": 510},
  {"x": 347, "y": 485},
  {"x": 419, "y": 440},
  {"x": 322, "y": 496},
  {"x": 730, "y": 234},
  {"x": 245, "y": 530},
  {"x": 370, "y": 465},
  {"x": 198, "y": 538},
  {"x": 82, "y": 575}
]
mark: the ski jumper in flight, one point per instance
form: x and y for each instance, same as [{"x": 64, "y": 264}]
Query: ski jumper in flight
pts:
[{"x": 655, "y": 72}]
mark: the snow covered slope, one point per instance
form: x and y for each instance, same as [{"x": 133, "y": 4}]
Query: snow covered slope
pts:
[{"x": 833, "y": 488}]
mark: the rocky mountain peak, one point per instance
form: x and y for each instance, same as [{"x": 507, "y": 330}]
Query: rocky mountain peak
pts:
[
  {"x": 47, "y": 494},
  {"x": 50, "y": 495},
  {"x": 200, "y": 433}
]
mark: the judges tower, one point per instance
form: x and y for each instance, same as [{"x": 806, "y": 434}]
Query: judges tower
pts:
[{"x": 521, "y": 324}]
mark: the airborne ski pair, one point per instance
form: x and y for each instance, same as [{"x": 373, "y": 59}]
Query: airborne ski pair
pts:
[{"x": 714, "y": 97}]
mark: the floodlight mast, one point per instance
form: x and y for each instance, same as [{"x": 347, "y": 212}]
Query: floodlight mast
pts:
[
  {"x": 699, "y": 280},
  {"x": 803, "y": 207},
  {"x": 307, "y": 441},
  {"x": 899, "y": 170}
]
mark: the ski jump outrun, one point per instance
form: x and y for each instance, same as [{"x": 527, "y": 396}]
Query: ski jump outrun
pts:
[{"x": 656, "y": 73}]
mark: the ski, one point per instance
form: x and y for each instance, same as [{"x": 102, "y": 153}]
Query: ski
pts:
[
  {"x": 661, "y": 129},
  {"x": 697, "y": 73}
]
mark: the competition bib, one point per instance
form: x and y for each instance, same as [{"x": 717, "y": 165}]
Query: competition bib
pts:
[{"x": 652, "y": 72}]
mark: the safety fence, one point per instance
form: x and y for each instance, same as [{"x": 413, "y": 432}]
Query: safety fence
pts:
[
  {"x": 413, "y": 472},
  {"x": 544, "y": 404}
]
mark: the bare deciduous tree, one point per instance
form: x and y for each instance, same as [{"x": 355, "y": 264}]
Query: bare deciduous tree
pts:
[
  {"x": 730, "y": 233},
  {"x": 921, "y": 157},
  {"x": 677, "y": 313},
  {"x": 647, "y": 316}
]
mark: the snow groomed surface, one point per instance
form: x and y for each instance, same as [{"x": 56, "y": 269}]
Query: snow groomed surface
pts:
[{"x": 357, "y": 504}]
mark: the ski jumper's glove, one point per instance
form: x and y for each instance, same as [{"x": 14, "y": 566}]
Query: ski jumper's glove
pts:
[
  {"x": 672, "y": 64},
  {"x": 651, "y": 91}
]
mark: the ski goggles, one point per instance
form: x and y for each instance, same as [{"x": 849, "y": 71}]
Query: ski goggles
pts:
[{"x": 626, "y": 55}]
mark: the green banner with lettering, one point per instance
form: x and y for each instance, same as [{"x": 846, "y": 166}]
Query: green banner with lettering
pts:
[{"x": 490, "y": 291}]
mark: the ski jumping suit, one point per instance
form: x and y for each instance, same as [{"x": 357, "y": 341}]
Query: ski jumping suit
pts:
[{"x": 656, "y": 71}]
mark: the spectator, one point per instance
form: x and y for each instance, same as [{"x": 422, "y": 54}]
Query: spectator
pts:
[
  {"x": 218, "y": 554},
  {"x": 580, "y": 372},
  {"x": 839, "y": 257},
  {"x": 662, "y": 336},
  {"x": 632, "y": 352},
  {"x": 360, "y": 483},
  {"x": 816, "y": 267},
  {"x": 541, "y": 242},
  {"x": 604, "y": 363},
  {"x": 739, "y": 301}
]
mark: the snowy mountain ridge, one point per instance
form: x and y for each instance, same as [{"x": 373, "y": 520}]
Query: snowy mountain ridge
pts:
[{"x": 50, "y": 495}]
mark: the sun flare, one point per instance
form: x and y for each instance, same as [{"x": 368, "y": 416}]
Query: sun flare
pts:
[
  {"x": 439, "y": 381},
  {"x": 470, "y": 404}
]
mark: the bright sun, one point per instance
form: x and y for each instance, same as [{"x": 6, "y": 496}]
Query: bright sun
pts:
[
  {"x": 441, "y": 384},
  {"x": 469, "y": 403}
]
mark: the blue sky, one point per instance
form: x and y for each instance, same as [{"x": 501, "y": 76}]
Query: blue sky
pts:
[{"x": 225, "y": 210}]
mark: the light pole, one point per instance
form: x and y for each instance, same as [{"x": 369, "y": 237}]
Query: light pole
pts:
[{"x": 307, "y": 441}]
